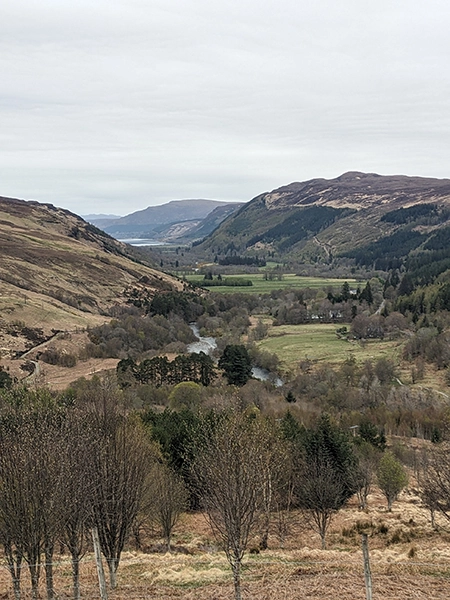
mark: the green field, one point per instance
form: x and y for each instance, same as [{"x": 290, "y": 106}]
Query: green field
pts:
[
  {"x": 262, "y": 286},
  {"x": 319, "y": 343}
]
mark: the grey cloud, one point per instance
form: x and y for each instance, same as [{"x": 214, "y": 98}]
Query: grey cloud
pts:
[{"x": 113, "y": 106}]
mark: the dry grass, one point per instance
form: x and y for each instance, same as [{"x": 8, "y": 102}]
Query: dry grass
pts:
[{"x": 409, "y": 560}]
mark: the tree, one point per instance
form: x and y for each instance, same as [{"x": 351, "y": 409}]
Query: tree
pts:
[
  {"x": 187, "y": 395},
  {"x": 32, "y": 491},
  {"x": 368, "y": 458},
  {"x": 290, "y": 397},
  {"x": 276, "y": 463},
  {"x": 385, "y": 370},
  {"x": 436, "y": 480},
  {"x": 321, "y": 492},
  {"x": 175, "y": 433},
  {"x": 230, "y": 479},
  {"x": 326, "y": 476},
  {"x": 345, "y": 291},
  {"x": 392, "y": 477},
  {"x": 6, "y": 380},
  {"x": 236, "y": 364},
  {"x": 120, "y": 464},
  {"x": 166, "y": 498},
  {"x": 366, "y": 294},
  {"x": 369, "y": 433},
  {"x": 80, "y": 444}
]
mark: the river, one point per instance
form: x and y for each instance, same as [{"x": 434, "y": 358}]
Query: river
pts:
[{"x": 209, "y": 344}]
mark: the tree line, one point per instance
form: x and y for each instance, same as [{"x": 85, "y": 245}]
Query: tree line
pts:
[{"x": 199, "y": 368}]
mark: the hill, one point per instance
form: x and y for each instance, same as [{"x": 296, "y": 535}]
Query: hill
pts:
[
  {"x": 364, "y": 218},
  {"x": 154, "y": 220},
  {"x": 59, "y": 273},
  {"x": 205, "y": 226}
]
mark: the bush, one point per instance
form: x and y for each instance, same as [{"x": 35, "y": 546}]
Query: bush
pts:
[
  {"x": 392, "y": 477},
  {"x": 53, "y": 356}
]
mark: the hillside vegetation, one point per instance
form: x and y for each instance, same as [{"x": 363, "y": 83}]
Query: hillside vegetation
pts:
[
  {"x": 358, "y": 218},
  {"x": 59, "y": 273}
]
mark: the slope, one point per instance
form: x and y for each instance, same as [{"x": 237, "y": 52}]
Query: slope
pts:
[
  {"x": 58, "y": 272},
  {"x": 144, "y": 222},
  {"x": 320, "y": 219}
]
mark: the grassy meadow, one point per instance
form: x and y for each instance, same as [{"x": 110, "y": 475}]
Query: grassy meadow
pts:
[
  {"x": 264, "y": 286},
  {"x": 318, "y": 342}
]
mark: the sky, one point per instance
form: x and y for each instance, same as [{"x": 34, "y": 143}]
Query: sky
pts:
[{"x": 110, "y": 106}]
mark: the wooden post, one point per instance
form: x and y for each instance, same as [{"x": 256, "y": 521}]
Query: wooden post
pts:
[
  {"x": 98, "y": 560},
  {"x": 367, "y": 573}
]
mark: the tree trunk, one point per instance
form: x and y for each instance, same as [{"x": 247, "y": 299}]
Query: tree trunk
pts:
[
  {"x": 15, "y": 569},
  {"x": 267, "y": 502},
  {"x": 433, "y": 520},
  {"x": 98, "y": 560},
  {"x": 137, "y": 535},
  {"x": 16, "y": 587},
  {"x": 34, "y": 574},
  {"x": 112, "y": 568},
  {"x": 236, "y": 566},
  {"x": 15, "y": 576},
  {"x": 264, "y": 540},
  {"x": 76, "y": 577},
  {"x": 49, "y": 571}
]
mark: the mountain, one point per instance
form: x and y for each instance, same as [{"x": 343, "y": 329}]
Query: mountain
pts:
[
  {"x": 100, "y": 220},
  {"x": 58, "y": 272},
  {"x": 188, "y": 231},
  {"x": 96, "y": 216},
  {"x": 212, "y": 221},
  {"x": 149, "y": 222},
  {"x": 370, "y": 219}
]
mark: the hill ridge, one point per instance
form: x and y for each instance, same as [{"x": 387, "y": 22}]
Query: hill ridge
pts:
[{"x": 52, "y": 257}]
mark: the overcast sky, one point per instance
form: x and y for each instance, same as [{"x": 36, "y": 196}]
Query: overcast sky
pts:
[{"x": 110, "y": 106}]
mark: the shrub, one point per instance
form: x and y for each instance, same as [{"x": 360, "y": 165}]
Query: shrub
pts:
[
  {"x": 392, "y": 478},
  {"x": 53, "y": 356}
]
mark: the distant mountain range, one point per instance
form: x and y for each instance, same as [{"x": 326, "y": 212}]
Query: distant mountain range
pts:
[
  {"x": 373, "y": 220},
  {"x": 178, "y": 219}
]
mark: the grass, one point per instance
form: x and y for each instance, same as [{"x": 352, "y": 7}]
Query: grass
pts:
[
  {"x": 299, "y": 570},
  {"x": 318, "y": 342},
  {"x": 289, "y": 280}
]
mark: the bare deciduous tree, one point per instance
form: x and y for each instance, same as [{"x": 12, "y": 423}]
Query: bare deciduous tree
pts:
[
  {"x": 230, "y": 478},
  {"x": 32, "y": 493},
  {"x": 368, "y": 458},
  {"x": 326, "y": 474},
  {"x": 435, "y": 488},
  {"x": 80, "y": 444},
  {"x": 320, "y": 493},
  {"x": 166, "y": 498},
  {"x": 120, "y": 464},
  {"x": 275, "y": 462}
]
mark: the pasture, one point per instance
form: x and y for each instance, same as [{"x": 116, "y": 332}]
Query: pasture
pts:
[
  {"x": 318, "y": 342},
  {"x": 265, "y": 286}
]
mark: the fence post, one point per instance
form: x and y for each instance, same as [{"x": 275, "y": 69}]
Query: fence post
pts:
[
  {"x": 367, "y": 573},
  {"x": 98, "y": 560}
]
